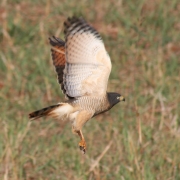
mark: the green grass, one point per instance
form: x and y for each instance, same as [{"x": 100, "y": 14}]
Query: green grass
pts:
[{"x": 142, "y": 134}]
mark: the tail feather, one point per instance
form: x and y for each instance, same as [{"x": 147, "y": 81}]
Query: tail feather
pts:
[
  {"x": 56, "y": 111},
  {"x": 42, "y": 112}
]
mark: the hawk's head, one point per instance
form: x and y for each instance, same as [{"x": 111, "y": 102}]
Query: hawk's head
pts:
[{"x": 114, "y": 98}]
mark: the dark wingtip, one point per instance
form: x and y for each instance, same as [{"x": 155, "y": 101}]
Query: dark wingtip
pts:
[
  {"x": 78, "y": 24},
  {"x": 54, "y": 41}
]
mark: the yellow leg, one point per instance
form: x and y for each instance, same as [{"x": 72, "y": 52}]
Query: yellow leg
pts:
[
  {"x": 81, "y": 118},
  {"x": 82, "y": 143}
]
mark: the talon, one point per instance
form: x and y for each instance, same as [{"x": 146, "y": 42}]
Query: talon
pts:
[
  {"x": 82, "y": 146},
  {"x": 82, "y": 149}
]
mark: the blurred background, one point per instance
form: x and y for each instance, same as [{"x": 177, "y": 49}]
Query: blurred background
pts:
[{"x": 139, "y": 139}]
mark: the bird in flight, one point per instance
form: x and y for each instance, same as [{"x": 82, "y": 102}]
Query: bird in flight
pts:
[{"x": 83, "y": 66}]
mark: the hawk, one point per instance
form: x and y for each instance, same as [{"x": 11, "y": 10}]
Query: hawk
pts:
[{"x": 83, "y": 66}]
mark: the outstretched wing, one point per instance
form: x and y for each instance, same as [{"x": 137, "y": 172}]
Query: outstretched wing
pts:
[
  {"x": 88, "y": 65},
  {"x": 58, "y": 57}
]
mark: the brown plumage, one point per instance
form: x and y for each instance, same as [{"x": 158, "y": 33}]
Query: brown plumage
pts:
[{"x": 83, "y": 67}]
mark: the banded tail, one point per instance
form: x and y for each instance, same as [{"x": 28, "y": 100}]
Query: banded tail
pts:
[{"x": 58, "y": 111}]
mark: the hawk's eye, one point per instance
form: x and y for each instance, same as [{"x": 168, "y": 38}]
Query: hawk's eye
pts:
[{"x": 118, "y": 97}]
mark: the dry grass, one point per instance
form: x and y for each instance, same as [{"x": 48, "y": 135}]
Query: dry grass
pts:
[{"x": 138, "y": 139}]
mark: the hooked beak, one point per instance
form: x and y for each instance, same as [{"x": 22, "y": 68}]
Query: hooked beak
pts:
[{"x": 121, "y": 98}]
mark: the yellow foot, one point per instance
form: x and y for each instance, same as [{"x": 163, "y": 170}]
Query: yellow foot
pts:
[{"x": 82, "y": 146}]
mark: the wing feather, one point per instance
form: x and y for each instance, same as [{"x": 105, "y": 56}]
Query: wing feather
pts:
[
  {"x": 88, "y": 65},
  {"x": 58, "y": 57}
]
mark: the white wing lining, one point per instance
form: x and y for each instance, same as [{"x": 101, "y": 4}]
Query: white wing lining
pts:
[{"x": 87, "y": 65}]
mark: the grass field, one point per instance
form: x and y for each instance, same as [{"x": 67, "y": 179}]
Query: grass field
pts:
[{"x": 139, "y": 139}]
